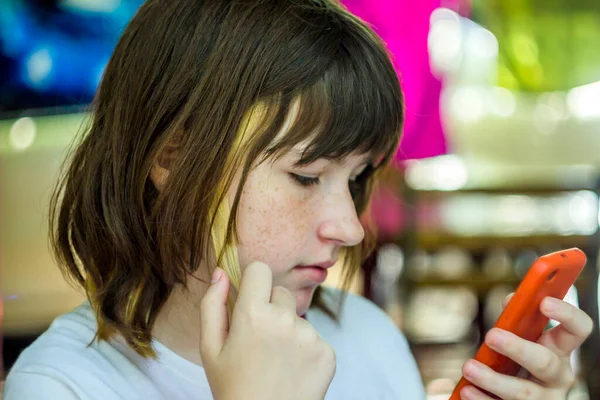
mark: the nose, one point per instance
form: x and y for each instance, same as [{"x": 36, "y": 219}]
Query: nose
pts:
[{"x": 341, "y": 224}]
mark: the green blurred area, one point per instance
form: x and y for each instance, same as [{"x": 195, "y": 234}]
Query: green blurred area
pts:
[{"x": 545, "y": 45}]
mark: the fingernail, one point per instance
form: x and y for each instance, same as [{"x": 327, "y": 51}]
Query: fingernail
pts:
[
  {"x": 472, "y": 369},
  {"x": 551, "y": 304},
  {"x": 468, "y": 392},
  {"x": 217, "y": 274},
  {"x": 497, "y": 339}
]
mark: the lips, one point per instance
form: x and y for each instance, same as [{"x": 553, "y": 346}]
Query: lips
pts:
[
  {"x": 322, "y": 265},
  {"x": 314, "y": 273}
]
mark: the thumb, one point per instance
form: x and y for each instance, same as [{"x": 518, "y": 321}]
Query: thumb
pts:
[{"x": 213, "y": 315}]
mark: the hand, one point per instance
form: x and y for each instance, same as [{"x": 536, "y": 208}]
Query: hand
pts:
[
  {"x": 547, "y": 362},
  {"x": 267, "y": 352}
]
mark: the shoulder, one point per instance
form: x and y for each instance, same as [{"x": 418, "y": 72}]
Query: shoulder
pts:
[
  {"x": 69, "y": 337},
  {"x": 64, "y": 358},
  {"x": 31, "y": 385}
]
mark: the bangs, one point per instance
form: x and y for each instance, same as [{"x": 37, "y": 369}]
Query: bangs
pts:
[{"x": 356, "y": 107}]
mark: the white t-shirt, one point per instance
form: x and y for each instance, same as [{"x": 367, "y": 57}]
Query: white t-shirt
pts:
[{"x": 373, "y": 362}]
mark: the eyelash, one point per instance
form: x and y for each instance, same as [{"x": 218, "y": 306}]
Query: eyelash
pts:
[
  {"x": 356, "y": 186},
  {"x": 304, "y": 180},
  {"x": 307, "y": 181}
]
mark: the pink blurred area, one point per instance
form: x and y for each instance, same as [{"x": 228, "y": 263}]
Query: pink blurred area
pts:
[
  {"x": 404, "y": 26},
  {"x": 388, "y": 213},
  {"x": 1, "y": 343}
]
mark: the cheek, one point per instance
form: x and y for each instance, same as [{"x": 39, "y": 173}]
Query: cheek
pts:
[{"x": 274, "y": 224}]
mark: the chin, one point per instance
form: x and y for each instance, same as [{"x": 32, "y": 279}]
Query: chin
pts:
[{"x": 304, "y": 298}]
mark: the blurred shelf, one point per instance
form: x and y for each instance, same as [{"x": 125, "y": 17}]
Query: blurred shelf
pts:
[
  {"x": 505, "y": 190},
  {"x": 430, "y": 242},
  {"x": 476, "y": 280}
]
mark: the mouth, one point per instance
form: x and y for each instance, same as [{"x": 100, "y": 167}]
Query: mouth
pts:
[{"x": 314, "y": 273}]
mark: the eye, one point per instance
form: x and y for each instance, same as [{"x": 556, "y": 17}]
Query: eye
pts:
[{"x": 304, "y": 180}]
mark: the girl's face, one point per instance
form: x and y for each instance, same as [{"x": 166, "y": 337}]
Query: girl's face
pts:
[{"x": 296, "y": 219}]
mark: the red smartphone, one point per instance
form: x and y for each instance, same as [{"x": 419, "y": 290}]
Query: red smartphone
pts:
[{"x": 550, "y": 276}]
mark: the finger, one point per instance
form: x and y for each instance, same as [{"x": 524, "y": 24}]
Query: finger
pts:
[
  {"x": 507, "y": 300},
  {"x": 214, "y": 323},
  {"x": 472, "y": 393},
  {"x": 306, "y": 332},
  {"x": 540, "y": 361},
  {"x": 575, "y": 326},
  {"x": 255, "y": 287},
  {"x": 504, "y": 386},
  {"x": 283, "y": 298}
]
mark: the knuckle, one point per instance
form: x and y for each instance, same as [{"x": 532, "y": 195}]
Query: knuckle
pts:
[
  {"x": 553, "y": 367},
  {"x": 549, "y": 363},
  {"x": 328, "y": 355},
  {"x": 308, "y": 337},
  {"x": 287, "y": 320}
]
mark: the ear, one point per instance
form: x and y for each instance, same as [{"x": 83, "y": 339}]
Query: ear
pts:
[{"x": 162, "y": 166}]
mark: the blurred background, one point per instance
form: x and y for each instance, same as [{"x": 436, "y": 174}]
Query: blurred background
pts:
[{"x": 499, "y": 162}]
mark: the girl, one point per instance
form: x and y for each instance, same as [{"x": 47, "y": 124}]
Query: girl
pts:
[{"x": 245, "y": 135}]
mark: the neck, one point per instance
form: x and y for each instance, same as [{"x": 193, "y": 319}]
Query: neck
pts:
[{"x": 177, "y": 325}]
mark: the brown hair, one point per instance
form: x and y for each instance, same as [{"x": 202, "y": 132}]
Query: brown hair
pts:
[{"x": 190, "y": 72}]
